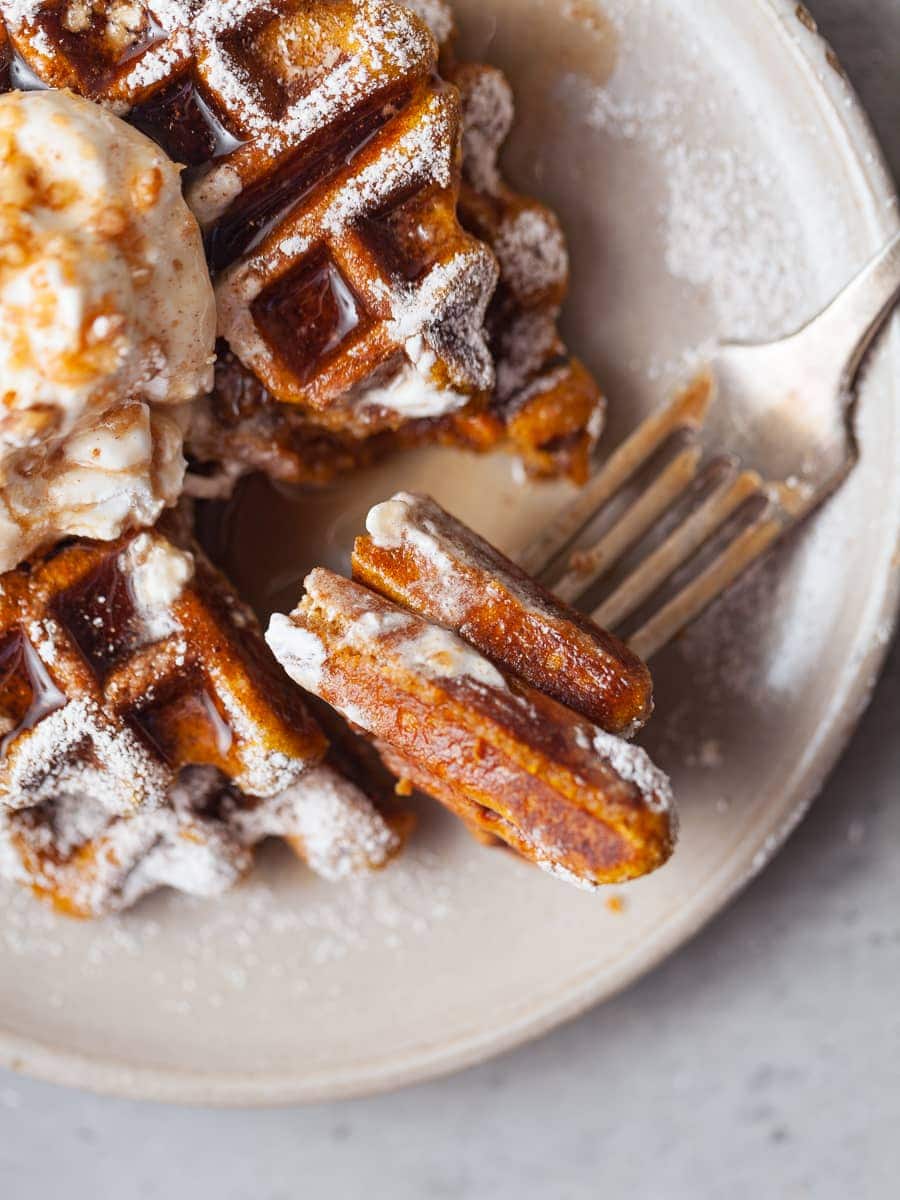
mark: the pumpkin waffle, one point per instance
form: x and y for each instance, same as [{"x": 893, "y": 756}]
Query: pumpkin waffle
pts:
[
  {"x": 88, "y": 863},
  {"x": 545, "y": 402},
  {"x": 325, "y": 156},
  {"x": 123, "y": 662},
  {"x": 512, "y": 762},
  {"x": 381, "y": 276},
  {"x": 419, "y": 556}
]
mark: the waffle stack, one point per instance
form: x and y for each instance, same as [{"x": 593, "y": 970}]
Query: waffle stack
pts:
[
  {"x": 378, "y": 284},
  {"x": 324, "y": 159},
  {"x": 149, "y": 737}
]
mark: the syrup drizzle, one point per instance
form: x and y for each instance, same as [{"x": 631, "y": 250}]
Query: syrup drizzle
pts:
[
  {"x": 220, "y": 727},
  {"x": 23, "y": 677},
  {"x": 184, "y": 123},
  {"x": 259, "y": 209},
  {"x": 88, "y": 52},
  {"x": 316, "y": 299},
  {"x": 99, "y": 614}
]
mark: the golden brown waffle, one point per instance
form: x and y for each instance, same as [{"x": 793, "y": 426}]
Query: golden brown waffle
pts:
[
  {"x": 545, "y": 404},
  {"x": 239, "y": 94},
  {"x": 123, "y": 662},
  {"x": 326, "y": 156},
  {"x": 88, "y": 863},
  {"x": 512, "y": 762},
  {"x": 545, "y": 401},
  {"x": 419, "y": 556},
  {"x": 150, "y": 739}
]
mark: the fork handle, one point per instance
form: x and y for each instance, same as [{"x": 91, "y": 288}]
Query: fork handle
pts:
[{"x": 845, "y": 331}]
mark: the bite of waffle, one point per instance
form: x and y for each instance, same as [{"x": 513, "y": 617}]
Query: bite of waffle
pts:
[{"x": 455, "y": 688}]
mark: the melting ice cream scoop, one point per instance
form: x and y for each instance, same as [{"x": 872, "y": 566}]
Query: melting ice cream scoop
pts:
[{"x": 107, "y": 323}]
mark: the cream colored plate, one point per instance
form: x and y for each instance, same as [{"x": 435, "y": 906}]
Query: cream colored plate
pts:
[{"x": 725, "y": 181}]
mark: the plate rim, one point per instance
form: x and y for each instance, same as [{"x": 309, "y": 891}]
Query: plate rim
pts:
[{"x": 54, "y": 1064}]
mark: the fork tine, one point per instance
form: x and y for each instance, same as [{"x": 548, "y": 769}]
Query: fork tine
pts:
[
  {"x": 687, "y": 411},
  {"x": 684, "y": 541},
  {"x": 589, "y": 565},
  {"x": 690, "y": 602}
]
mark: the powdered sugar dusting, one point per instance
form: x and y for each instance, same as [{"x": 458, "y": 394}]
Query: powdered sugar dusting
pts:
[
  {"x": 130, "y": 857},
  {"x": 220, "y": 943},
  {"x": 488, "y": 112},
  {"x": 330, "y": 822},
  {"x": 727, "y": 222},
  {"x": 437, "y": 15},
  {"x": 77, "y": 751},
  {"x": 532, "y": 252},
  {"x": 633, "y": 764}
]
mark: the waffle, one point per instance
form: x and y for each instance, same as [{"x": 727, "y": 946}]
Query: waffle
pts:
[
  {"x": 545, "y": 402},
  {"x": 326, "y": 175},
  {"x": 150, "y": 739},
  {"x": 419, "y": 556},
  {"x": 512, "y": 762},
  {"x": 123, "y": 662},
  {"x": 88, "y": 863},
  {"x": 376, "y": 267}
]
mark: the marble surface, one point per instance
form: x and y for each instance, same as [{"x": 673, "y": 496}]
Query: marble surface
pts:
[{"x": 763, "y": 1060}]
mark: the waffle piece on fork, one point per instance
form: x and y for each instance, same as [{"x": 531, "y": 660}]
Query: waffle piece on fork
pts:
[
  {"x": 512, "y": 762},
  {"x": 420, "y": 556}
]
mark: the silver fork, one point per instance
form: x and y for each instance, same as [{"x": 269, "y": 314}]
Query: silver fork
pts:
[{"x": 766, "y": 432}]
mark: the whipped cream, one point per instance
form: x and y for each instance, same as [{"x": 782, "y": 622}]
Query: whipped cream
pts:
[{"x": 107, "y": 323}]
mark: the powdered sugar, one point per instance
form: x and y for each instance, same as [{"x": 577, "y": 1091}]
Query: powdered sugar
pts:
[
  {"x": 277, "y": 929},
  {"x": 488, "y": 113},
  {"x": 77, "y": 751},
  {"x": 92, "y": 863},
  {"x": 633, "y": 764},
  {"x": 129, "y": 857},
  {"x": 437, "y": 15},
  {"x": 388, "y": 45},
  {"x": 301, "y": 652},
  {"x": 328, "y": 820},
  {"x": 727, "y": 222},
  {"x": 532, "y": 252},
  {"x": 19, "y": 12}
]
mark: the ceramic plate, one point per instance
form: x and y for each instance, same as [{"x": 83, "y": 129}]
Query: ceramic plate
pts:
[{"x": 716, "y": 176}]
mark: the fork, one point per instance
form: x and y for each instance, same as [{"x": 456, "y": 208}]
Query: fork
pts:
[{"x": 758, "y": 441}]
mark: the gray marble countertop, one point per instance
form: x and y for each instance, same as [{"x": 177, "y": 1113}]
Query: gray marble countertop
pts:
[{"x": 763, "y": 1060}]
